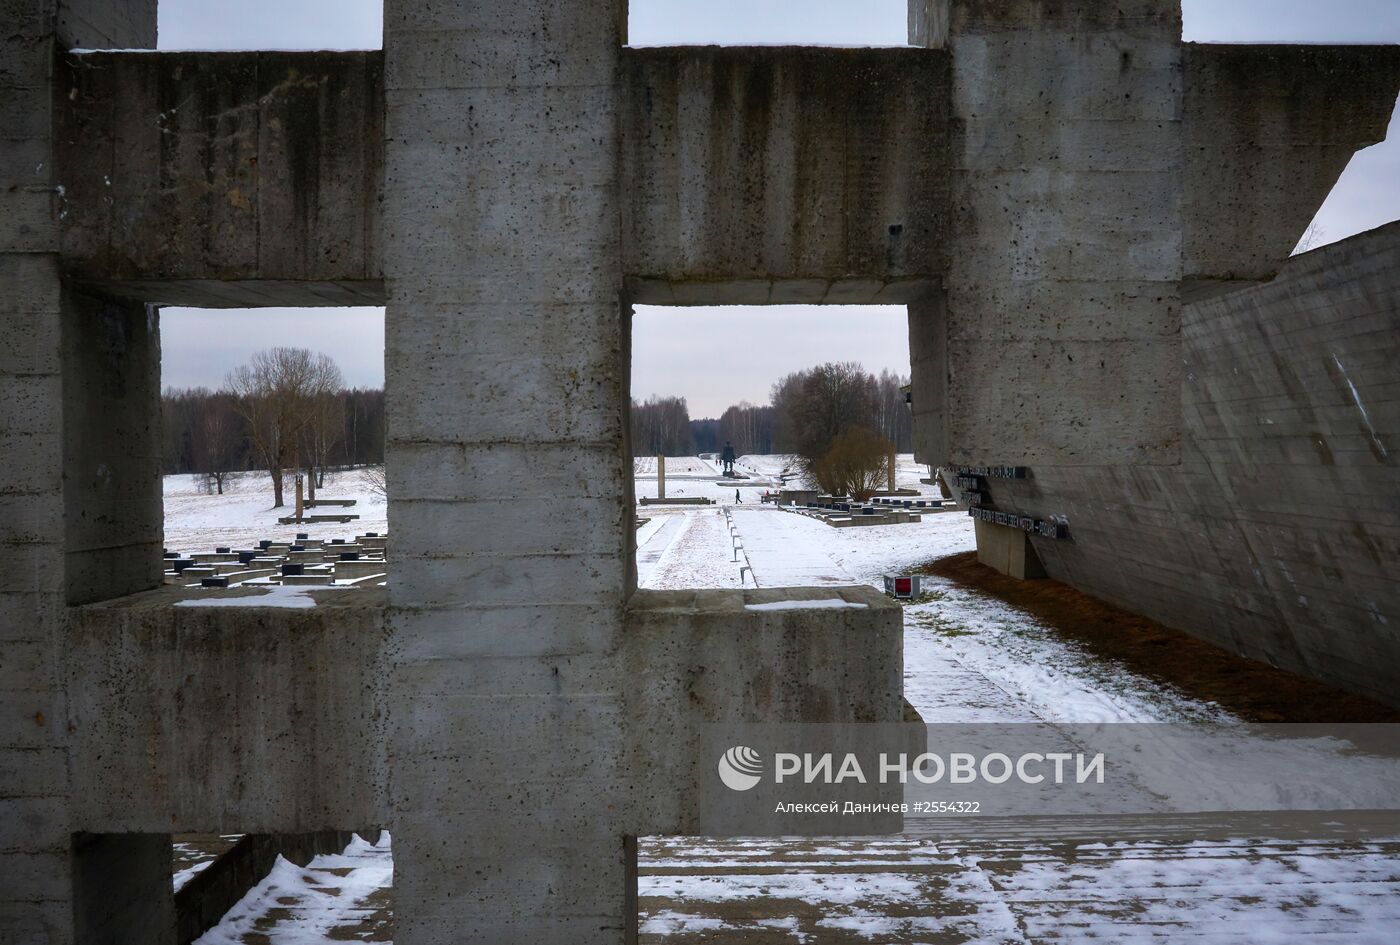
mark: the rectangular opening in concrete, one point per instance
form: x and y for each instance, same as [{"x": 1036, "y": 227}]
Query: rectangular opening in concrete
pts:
[
  {"x": 786, "y": 22},
  {"x": 271, "y": 24},
  {"x": 737, "y": 410},
  {"x": 244, "y": 391},
  {"x": 175, "y": 419},
  {"x": 160, "y": 889}
]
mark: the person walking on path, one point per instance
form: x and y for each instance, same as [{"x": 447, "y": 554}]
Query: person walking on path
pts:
[{"x": 736, "y": 497}]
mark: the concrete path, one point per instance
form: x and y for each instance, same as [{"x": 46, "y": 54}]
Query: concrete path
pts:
[
  {"x": 1017, "y": 889},
  {"x": 782, "y": 552},
  {"x": 341, "y": 898}
]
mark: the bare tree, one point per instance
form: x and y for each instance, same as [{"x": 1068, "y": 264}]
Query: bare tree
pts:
[
  {"x": 856, "y": 464},
  {"x": 214, "y": 440},
  {"x": 375, "y": 480},
  {"x": 661, "y": 427},
  {"x": 324, "y": 429},
  {"x": 276, "y": 393},
  {"x": 1312, "y": 239}
]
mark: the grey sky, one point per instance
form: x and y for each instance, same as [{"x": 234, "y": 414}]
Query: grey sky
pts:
[
  {"x": 693, "y": 352},
  {"x": 200, "y": 346}
]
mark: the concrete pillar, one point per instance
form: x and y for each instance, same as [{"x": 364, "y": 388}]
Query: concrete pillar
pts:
[
  {"x": 661, "y": 477},
  {"x": 503, "y": 273},
  {"x": 1063, "y": 283},
  {"x": 111, "y": 448},
  {"x": 36, "y": 892},
  {"x": 928, "y": 23},
  {"x": 928, "y": 368},
  {"x": 1008, "y": 550}
]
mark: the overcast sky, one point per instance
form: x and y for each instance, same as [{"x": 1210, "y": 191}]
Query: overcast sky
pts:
[{"x": 713, "y": 357}]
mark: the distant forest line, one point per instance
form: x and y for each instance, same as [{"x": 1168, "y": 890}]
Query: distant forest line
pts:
[
  {"x": 663, "y": 425},
  {"x": 203, "y": 430}
]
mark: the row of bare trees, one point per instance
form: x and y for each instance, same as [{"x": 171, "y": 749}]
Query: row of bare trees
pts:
[
  {"x": 287, "y": 398},
  {"x": 841, "y": 423},
  {"x": 287, "y": 409},
  {"x": 661, "y": 427}
]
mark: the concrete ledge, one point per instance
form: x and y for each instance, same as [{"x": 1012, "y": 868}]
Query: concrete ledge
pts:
[
  {"x": 701, "y": 657},
  {"x": 231, "y": 718}
]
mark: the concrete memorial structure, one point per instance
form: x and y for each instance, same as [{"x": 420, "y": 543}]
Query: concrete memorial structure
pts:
[{"x": 1044, "y": 184}]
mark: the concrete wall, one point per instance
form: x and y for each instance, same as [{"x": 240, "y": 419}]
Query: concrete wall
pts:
[
  {"x": 37, "y": 895},
  {"x": 227, "y": 719},
  {"x": 229, "y": 179},
  {"x": 1268, "y": 131},
  {"x": 1061, "y": 329},
  {"x": 784, "y": 175},
  {"x": 697, "y": 658},
  {"x": 1278, "y": 534},
  {"x": 121, "y": 889},
  {"x": 502, "y": 265},
  {"x": 111, "y": 448}
]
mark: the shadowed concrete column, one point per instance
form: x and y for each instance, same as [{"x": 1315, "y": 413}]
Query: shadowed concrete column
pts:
[
  {"x": 112, "y": 447},
  {"x": 502, "y": 268},
  {"x": 36, "y": 855}
]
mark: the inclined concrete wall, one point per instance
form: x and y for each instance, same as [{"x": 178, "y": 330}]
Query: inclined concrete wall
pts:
[
  {"x": 223, "y": 179},
  {"x": 503, "y": 276},
  {"x": 797, "y": 175},
  {"x": 1278, "y": 534}
]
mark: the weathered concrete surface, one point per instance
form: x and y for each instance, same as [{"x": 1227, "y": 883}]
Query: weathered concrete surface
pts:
[
  {"x": 121, "y": 889},
  {"x": 227, "y": 719},
  {"x": 1268, "y": 131},
  {"x": 695, "y": 658},
  {"x": 38, "y": 864},
  {"x": 507, "y": 140},
  {"x": 502, "y": 265},
  {"x": 1061, "y": 332},
  {"x": 1097, "y": 164},
  {"x": 111, "y": 448},
  {"x": 223, "y": 179},
  {"x": 763, "y": 175},
  {"x": 1277, "y": 536}
]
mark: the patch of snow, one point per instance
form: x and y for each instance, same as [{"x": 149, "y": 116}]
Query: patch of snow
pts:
[
  {"x": 293, "y": 597},
  {"x": 190, "y": 872},
  {"x": 827, "y": 604},
  {"x": 309, "y": 905}
]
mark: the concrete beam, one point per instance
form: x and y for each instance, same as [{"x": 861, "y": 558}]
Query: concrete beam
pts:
[
  {"x": 767, "y": 175},
  {"x": 1268, "y": 131},
  {"x": 697, "y": 659},
  {"x": 222, "y": 179},
  {"x": 226, "y": 719}
]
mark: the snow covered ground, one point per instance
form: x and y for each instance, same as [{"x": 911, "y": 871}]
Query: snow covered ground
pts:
[
  {"x": 195, "y": 521},
  {"x": 968, "y": 658}
]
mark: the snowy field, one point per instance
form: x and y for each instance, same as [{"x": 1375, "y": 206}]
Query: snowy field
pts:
[
  {"x": 968, "y": 658},
  {"x": 195, "y": 521}
]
